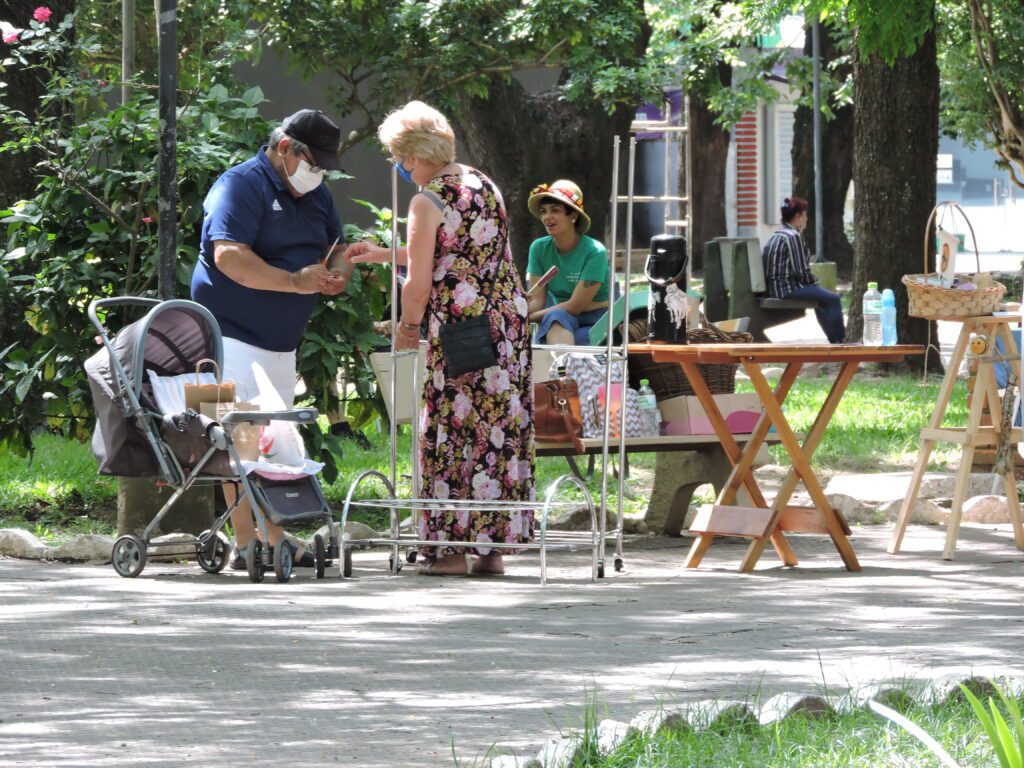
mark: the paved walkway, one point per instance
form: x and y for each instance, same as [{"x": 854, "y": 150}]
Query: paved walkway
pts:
[{"x": 177, "y": 667}]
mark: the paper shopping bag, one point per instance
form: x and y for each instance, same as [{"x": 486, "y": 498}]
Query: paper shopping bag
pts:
[
  {"x": 246, "y": 437},
  {"x": 196, "y": 394}
]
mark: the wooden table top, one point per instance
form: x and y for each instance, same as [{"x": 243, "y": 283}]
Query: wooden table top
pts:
[{"x": 777, "y": 353}]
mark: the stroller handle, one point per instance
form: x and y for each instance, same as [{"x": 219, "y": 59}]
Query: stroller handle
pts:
[
  {"x": 116, "y": 301},
  {"x": 302, "y": 415}
]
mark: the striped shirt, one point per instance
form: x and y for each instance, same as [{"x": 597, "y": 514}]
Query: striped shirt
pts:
[{"x": 786, "y": 263}]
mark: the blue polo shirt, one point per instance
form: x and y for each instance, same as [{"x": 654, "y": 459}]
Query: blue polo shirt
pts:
[{"x": 251, "y": 204}]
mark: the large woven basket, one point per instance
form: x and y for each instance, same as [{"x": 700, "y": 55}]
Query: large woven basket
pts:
[
  {"x": 933, "y": 302},
  {"x": 667, "y": 379}
]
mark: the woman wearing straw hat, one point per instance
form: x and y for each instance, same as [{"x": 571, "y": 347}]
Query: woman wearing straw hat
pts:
[{"x": 567, "y": 307}]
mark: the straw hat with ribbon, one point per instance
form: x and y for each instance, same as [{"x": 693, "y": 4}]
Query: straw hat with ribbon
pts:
[{"x": 562, "y": 191}]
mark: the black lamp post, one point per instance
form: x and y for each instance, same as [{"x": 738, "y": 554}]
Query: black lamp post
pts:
[{"x": 167, "y": 24}]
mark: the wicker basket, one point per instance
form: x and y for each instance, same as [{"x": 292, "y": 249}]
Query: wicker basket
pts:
[
  {"x": 933, "y": 302},
  {"x": 667, "y": 379}
]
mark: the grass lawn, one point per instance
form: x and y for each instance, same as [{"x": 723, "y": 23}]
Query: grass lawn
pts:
[
  {"x": 856, "y": 739},
  {"x": 876, "y": 428}
]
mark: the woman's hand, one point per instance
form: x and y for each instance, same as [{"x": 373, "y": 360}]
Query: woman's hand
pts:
[{"x": 366, "y": 253}]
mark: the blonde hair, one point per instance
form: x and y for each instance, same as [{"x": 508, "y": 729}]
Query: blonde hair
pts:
[{"x": 418, "y": 130}]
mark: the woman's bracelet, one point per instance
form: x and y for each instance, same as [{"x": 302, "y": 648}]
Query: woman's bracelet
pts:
[{"x": 409, "y": 326}]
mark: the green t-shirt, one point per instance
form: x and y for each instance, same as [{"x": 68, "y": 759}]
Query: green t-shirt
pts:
[{"x": 587, "y": 261}]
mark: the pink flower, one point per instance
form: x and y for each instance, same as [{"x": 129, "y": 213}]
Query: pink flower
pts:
[
  {"x": 147, "y": 219},
  {"x": 42, "y": 14},
  {"x": 11, "y": 37}
]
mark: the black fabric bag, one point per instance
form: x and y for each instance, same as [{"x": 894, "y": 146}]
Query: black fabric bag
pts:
[{"x": 467, "y": 345}]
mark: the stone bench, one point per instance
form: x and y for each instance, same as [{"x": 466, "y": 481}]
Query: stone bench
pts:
[
  {"x": 682, "y": 464},
  {"x": 734, "y": 286}
]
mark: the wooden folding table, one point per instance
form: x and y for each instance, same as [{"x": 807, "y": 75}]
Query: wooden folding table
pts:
[{"x": 763, "y": 523}]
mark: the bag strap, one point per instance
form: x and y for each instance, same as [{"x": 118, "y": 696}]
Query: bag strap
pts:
[
  {"x": 216, "y": 368},
  {"x": 562, "y": 406}
]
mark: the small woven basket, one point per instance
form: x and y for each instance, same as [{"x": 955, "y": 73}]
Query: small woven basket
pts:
[
  {"x": 933, "y": 302},
  {"x": 668, "y": 380}
]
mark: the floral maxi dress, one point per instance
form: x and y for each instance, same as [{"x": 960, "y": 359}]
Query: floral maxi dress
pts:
[{"x": 477, "y": 429}]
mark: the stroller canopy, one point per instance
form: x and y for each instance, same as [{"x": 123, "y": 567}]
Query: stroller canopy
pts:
[{"x": 170, "y": 340}]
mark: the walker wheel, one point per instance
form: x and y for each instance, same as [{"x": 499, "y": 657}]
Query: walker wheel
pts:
[
  {"x": 618, "y": 565},
  {"x": 321, "y": 555},
  {"x": 410, "y": 557},
  {"x": 254, "y": 562},
  {"x": 128, "y": 556},
  {"x": 394, "y": 567},
  {"x": 283, "y": 562},
  {"x": 346, "y": 565},
  {"x": 600, "y": 570},
  {"x": 213, "y": 556}
]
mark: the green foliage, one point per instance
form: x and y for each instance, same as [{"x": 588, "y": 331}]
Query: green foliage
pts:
[
  {"x": 982, "y": 97},
  {"x": 1005, "y": 734},
  {"x": 383, "y": 53},
  {"x": 90, "y": 231}
]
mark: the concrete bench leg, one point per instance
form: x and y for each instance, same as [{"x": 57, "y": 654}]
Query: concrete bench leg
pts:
[{"x": 677, "y": 475}]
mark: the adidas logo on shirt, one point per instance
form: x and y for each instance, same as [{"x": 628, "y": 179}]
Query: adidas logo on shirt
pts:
[{"x": 276, "y": 206}]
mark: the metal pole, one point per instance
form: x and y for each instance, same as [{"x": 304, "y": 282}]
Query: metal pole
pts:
[
  {"x": 608, "y": 347},
  {"x": 167, "y": 23},
  {"x": 631, "y": 173},
  {"x": 394, "y": 327},
  {"x": 819, "y": 212},
  {"x": 127, "y": 46},
  {"x": 684, "y": 119}
]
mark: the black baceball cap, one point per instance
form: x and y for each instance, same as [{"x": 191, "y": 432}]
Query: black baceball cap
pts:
[{"x": 318, "y": 132}]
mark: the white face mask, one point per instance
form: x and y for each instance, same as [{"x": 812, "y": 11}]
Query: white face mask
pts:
[{"x": 305, "y": 179}]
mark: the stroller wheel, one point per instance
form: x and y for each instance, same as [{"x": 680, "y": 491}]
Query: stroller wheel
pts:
[
  {"x": 214, "y": 555},
  {"x": 410, "y": 557},
  {"x": 128, "y": 556},
  {"x": 283, "y": 562},
  {"x": 254, "y": 562},
  {"x": 321, "y": 555},
  {"x": 346, "y": 565}
]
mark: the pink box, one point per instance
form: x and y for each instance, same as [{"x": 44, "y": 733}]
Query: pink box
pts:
[{"x": 684, "y": 415}]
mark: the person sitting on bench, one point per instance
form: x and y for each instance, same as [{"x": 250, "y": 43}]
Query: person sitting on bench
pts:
[
  {"x": 787, "y": 270},
  {"x": 567, "y": 307}
]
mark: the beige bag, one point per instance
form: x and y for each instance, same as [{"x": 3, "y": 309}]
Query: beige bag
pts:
[
  {"x": 197, "y": 394},
  {"x": 246, "y": 437}
]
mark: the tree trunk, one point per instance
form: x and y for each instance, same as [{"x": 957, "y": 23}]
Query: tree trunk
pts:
[
  {"x": 896, "y": 134},
  {"x": 522, "y": 140},
  {"x": 837, "y": 166},
  {"x": 709, "y": 153}
]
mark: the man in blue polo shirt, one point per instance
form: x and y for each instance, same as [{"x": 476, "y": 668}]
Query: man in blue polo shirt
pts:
[{"x": 267, "y": 226}]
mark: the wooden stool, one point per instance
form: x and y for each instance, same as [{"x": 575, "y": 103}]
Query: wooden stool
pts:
[{"x": 977, "y": 433}]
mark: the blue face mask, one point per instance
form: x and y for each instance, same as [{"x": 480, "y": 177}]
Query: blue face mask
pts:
[{"x": 403, "y": 172}]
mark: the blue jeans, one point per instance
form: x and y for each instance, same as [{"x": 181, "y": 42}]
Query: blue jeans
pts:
[
  {"x": 829, "y": 310},
  {"x": 578, "y": 325}
]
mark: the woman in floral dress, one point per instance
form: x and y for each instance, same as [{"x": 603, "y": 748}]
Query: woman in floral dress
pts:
[{"x": 477, "y": 428}]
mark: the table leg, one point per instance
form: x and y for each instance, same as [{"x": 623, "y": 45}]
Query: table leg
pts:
[
  {"x": 698, "y": 549},
  {"x": 800, "y": 456},
  {"x": 935, "y": 422},
  {"x": 963, "y": 475},
  {"x": 736, "y": 457},
  {"x": 995, "y": 406}
]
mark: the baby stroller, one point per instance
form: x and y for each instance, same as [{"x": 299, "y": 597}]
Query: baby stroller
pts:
[{"x": 133, "y": 439}]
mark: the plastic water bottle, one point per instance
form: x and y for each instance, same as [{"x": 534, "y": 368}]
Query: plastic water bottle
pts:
[
  {"x": 888, "y": 318},
  {"x": 872, "y": 314},
  {"x": 650, "y": 420}
]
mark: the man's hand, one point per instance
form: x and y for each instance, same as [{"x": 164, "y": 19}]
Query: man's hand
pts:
[
  {"x": 311, "y": 279},
  {"x": 336, "y": 283}
]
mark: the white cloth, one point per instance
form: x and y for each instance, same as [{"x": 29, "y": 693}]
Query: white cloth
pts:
[
  {"x": 279, "y": 366},
  {"x": 169, "y": 391}
]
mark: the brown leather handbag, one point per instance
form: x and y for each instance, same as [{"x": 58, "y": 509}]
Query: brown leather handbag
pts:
[{"x": 557, "y": 413}]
